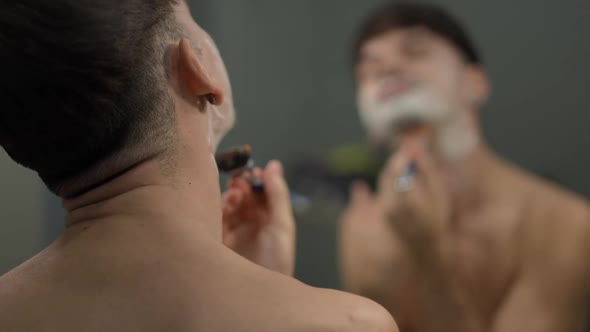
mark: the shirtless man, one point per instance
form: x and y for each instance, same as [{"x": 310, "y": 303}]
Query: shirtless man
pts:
[
  {"x": 119, "y": 106},
  {"x": 473, "y": 243}
]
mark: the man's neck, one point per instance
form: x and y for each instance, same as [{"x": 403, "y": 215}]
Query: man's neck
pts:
[
  {"x": 145, "y": 192},
  {"x": 468, "y": 179}
]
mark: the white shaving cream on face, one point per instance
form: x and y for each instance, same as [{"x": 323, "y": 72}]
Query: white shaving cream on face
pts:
[
  {"x": 453, "y": 136},
  {"x": 380, "y": 118},
  {"x": 215, "y": 128},
  {"x": 214, "y": 135}
]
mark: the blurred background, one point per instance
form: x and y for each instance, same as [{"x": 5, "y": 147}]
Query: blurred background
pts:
[{"x": 290, "y": 64}]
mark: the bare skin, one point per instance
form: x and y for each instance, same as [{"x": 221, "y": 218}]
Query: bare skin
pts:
[
  {"x": 512, "y": 258},
  {"x": 477, "y": 244},
  {"x": 146, "y": 251}
]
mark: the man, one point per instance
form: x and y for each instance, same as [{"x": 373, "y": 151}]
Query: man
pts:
[
  {"x": 119, "y": 106},
  {"x": 456, "y": 238}
]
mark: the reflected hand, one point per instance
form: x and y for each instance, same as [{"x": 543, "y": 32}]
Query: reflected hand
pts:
[{"x": 420, "y": 216}]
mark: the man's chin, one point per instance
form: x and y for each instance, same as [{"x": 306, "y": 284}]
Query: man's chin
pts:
[
  {"x": 394, "y": 138},
  {"x": 409, "y": 123}
]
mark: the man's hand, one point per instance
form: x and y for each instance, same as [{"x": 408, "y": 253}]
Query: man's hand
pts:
[
  {"x": 261, "y": 226},
  {"x": 420, "y": 216},
  {"x": 367, "y": 244}
]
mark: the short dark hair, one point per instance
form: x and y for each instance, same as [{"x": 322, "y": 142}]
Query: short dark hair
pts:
[
  {"x": 396, "y": 15},
  {"x": 81, "y": 80}
]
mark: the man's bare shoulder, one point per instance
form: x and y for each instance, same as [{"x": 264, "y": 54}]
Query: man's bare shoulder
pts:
[
  {"x": 551, "y": 204},
  {"x": 21, "y": 297},
  {"x": 556, "y": 228},
  {"x": 201, "y": 287},
  {"x": 544, "y": 201},
  {"x": 270, "y": 301},
  {"x": 351, "y": 313}
]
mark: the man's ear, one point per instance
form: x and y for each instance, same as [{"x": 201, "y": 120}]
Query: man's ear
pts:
[
  {"x": 477, "y": 86},
  {"x": 193, "y": 76}
]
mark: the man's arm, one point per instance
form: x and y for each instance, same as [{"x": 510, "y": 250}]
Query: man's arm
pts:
[{"x": 372, "y": 261}]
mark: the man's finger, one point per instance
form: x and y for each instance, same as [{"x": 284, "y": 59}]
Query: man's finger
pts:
[
  {"x": 360, "y": 193},
  {"x": 232, "y": 200},
  {"x": 426, "y": 171},
  {"x": 239, "y": 183},
  {"x": 395, "y": 167},
  {"x": 276, "y": 188},
  {"x": 234, "y": 196}
]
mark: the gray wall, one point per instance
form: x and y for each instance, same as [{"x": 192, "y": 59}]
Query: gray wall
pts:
[
  {"x": 20, "y": 214},
  {"x": 289, "y": 63}
]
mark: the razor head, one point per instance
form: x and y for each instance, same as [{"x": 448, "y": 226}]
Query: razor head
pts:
[
  {"x": 234, "y": 160},
  {"x": 411, "y": 128},
  {"x": 409, "y": 124}
]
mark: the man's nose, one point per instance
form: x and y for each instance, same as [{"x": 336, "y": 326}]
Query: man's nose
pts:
[
  {"x": 391, "y": 74},
  {"x": 394, "y": 68}
]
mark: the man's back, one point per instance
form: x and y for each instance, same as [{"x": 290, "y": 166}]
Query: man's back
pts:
[{"x": 166, "y": 279}]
